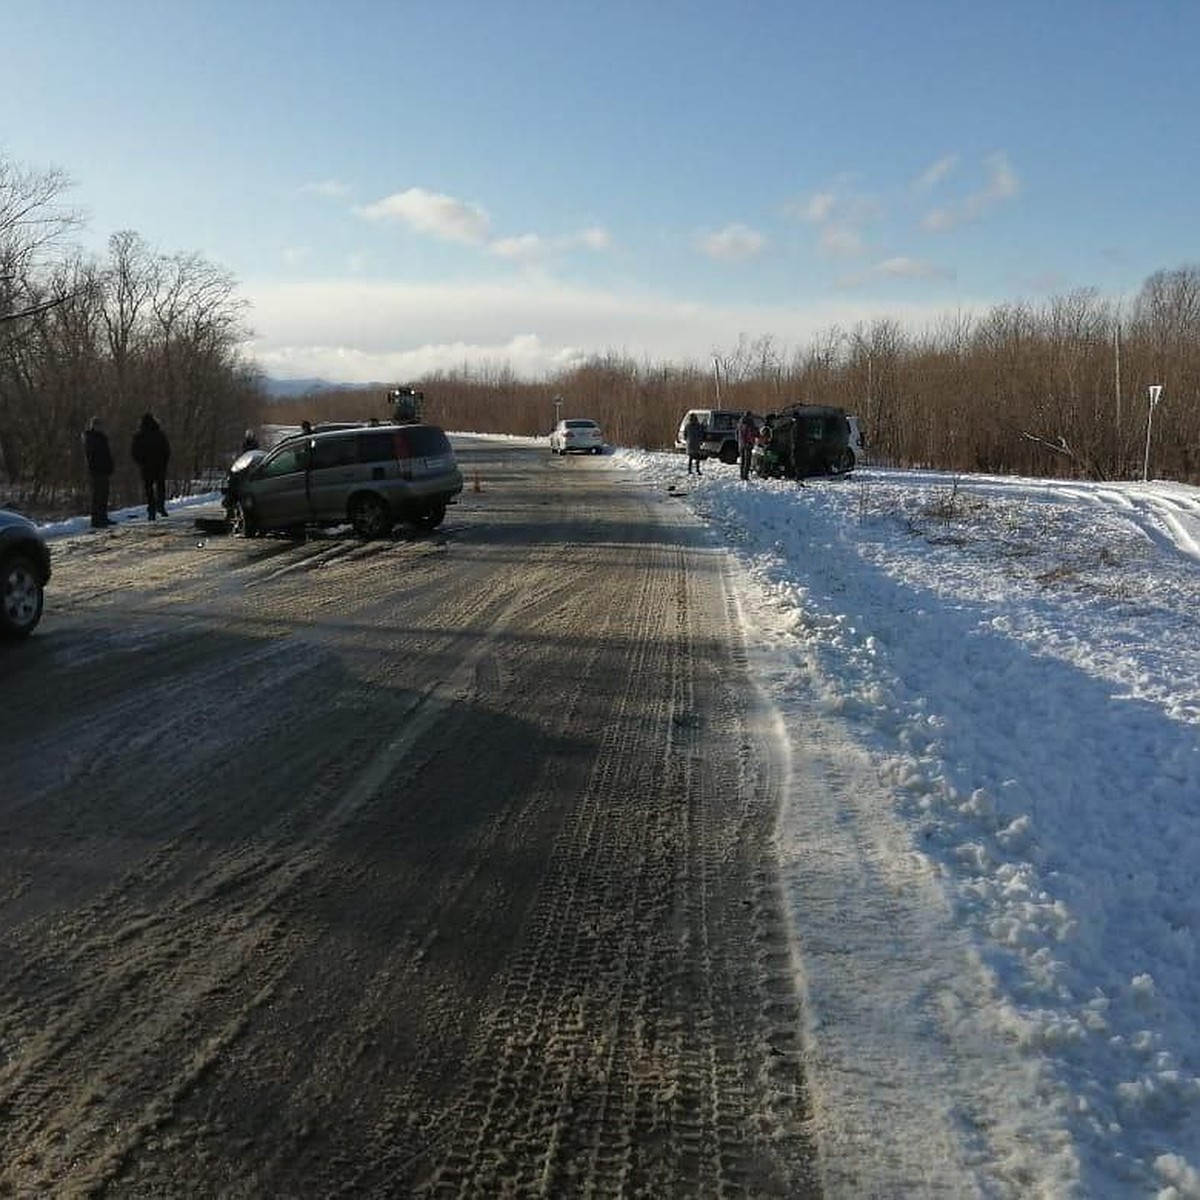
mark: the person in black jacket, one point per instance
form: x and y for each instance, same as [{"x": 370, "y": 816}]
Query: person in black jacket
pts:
[
  {"x": 694, "y": 434},
  {"x": 100, "y": 467},
  {"x": 151, "y": 451}
]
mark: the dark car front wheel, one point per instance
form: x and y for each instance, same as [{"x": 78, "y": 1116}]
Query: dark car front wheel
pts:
[{"x": 21, "y": 596}]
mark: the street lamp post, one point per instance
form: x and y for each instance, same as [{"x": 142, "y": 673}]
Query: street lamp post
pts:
[
  {"x": 1155, "y": 392},
  {"x": 557, "y": 409}
]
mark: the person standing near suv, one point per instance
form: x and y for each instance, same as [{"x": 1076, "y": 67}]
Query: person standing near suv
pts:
[
  {"x": 693, "y": 436},
  {"x": 747, "y": 438},
  {"x": 151, "y": 451},
  {"x": 100, "y": 467}
]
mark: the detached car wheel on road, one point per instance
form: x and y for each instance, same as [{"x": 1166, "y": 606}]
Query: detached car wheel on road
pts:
[{"x": 24, "y": 573}]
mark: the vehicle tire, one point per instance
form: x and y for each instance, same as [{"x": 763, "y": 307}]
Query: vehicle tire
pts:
[
  {"x": 431, "y": 518},
  {"x": 241, "y": 523},
  {"x": 843, "y": 464},
  {"x": 729, "y": 453},
  {"x": 371, "y": 517},
  {"x": 21, "y": 596}
]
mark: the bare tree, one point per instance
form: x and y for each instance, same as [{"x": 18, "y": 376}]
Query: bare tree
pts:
[{"x": 33, "y": 222}]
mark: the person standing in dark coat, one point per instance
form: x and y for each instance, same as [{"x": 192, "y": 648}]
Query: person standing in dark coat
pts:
[
  {"x": 694, "y": 434},
  {"x": 100, "y": 467},
  {"x": 747, "y": 439},
  {"x": 151, "y": 451}
]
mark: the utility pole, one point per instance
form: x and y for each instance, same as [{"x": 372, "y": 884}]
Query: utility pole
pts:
[
  {"x": 1117, "y": 372},
  {"x": 1155, "y": 391}
]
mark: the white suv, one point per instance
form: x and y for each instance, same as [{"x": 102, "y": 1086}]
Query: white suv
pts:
[{"x": 720, "y": 438}]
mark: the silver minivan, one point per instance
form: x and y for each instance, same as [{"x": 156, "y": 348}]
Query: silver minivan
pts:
[{"x": 367, "y": 476}]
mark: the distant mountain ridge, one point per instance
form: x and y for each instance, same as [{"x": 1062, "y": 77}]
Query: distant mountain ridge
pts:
[{"x": 291, "y": 389}]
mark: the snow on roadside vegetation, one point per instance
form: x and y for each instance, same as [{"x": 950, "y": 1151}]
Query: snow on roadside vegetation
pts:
[{"x": 990, "y": 692}]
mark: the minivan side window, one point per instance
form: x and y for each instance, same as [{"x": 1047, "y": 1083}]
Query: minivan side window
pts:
[
  {"x": 333, "y": 452},
  {"x": 377, "y": 447}
]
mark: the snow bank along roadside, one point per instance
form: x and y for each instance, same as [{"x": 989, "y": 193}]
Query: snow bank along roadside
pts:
[{"x": 991, "y": 836}]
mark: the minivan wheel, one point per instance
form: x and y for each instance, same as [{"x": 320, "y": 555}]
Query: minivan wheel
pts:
[
  {"x": 431, "y": 518},
  {"x": 21, "y": 596},
  {"x": 844, "y": 463},
  {"x": 370, "y": 517},
  {"x": 729, "y": 453}
]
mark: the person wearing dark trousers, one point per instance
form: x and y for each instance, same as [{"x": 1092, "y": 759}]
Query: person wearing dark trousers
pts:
[
  {"x": 100, "y": 468},
  {"x": 151, "y": 451},
  {"x": 694, "y": 434},
  {"x": 747, "y": 437}
]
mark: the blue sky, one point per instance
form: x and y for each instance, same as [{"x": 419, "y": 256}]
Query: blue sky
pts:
[{"x": 399, "y": 187}]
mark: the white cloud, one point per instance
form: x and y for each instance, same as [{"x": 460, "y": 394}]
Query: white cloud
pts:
[
  {"x": 901, "y": 267},
  {"x": 1002, "y": 181},
  {"x": 330, "y": 188},
  {"x": 439, "y": 216},
  {"x": 897, "y": 267},
  {"x": 734, "y": 243},
  {"x": 1000, "y": 184},
  {"x": 595, "y": 238},
  {"x": 841, "y": 216},
  {"x": 817, "y": 209},
  {"x": 530, "y": 248},
  {"x": 357, "y": 331},
  {"x": 936, "y": 172},
  {"x": 841, "y": 241},
  {"x": 523, "y": 353}
]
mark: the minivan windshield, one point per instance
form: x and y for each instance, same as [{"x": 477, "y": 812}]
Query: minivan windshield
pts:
[{"x": 286, "y": 460}]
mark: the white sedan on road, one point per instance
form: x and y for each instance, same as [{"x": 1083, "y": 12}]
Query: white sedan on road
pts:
[{"x": 576, "y": 436}]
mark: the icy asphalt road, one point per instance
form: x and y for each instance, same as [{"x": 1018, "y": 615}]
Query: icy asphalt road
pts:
[{"x": 426, "y": 866}]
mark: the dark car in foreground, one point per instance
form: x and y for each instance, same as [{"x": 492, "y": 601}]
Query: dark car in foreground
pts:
[
  {"x": 366, "y": 476},
  {"x": 24, "y": 573}
]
